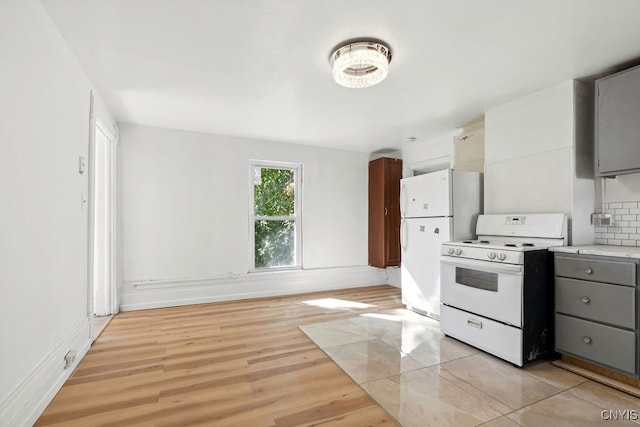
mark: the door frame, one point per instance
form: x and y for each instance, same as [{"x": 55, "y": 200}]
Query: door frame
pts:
[{"x": 111, "y": 295}]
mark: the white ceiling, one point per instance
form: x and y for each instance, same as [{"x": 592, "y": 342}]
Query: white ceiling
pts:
[{"x": 260, "y": 68}]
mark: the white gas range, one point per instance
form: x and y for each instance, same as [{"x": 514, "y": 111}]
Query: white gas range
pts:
[{"x": 497, "y": 291}]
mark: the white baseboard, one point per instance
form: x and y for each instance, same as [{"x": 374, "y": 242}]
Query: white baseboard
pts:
[
  {"x": 29, "y": 399},
  {"x": 394, "y": 277},
  {"x": 140, "y": 295}
]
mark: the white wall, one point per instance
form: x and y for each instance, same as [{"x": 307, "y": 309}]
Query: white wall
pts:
[
  {"x": 44, "y": 127},
  {"x": 536, "y": 149},
  {"x": 185, "y": 221},
  {"x": 424, "y": 156}
]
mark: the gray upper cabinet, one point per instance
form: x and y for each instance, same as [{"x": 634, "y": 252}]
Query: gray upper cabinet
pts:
[{"x": 618, "y": 123}]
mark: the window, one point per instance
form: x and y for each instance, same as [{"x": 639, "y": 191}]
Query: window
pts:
[{"x": 275, "y": 216}]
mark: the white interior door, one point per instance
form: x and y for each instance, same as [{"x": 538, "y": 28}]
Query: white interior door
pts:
[{"x": 102, "y": 217}]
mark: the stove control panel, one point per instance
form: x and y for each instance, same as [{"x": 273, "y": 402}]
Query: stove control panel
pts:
[
  {"x": 499, "y": 256},
  {"x": 482, "y": 253}
]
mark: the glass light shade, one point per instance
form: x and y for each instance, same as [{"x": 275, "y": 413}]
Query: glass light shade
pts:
[{"x": 360, "y": 64}]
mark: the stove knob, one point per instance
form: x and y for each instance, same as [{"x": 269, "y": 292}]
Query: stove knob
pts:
[
  {"x": 458, "y": 251},
  {"x": 501, "y": 257},
  {"x": 450, "y": 251},
  {"x": 491, "y": 255}
]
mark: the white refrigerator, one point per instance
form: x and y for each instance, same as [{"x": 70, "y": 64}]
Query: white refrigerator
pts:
[{"x": 436, "y": 207}]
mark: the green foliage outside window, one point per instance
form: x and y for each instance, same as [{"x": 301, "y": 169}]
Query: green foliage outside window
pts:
[{"x": 274, "y": 196}]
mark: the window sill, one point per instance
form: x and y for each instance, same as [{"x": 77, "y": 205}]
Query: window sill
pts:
[{"x": 275, "y": 269}]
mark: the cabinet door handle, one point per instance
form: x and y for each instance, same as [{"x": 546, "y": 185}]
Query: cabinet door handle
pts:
[
  {"x": 589, "y": 271},
  {"x": 586, "y": 300},
  {"x": 385, "y": 211},
  {"x": 587, "y": 340},
  {"x": 474, "y": 323}
]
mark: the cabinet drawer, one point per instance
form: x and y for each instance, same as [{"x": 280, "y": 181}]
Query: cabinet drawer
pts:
[
  {"x": 493, "y": 337},
  {"x": 601, "y": 302},
  {"x": 619, "y": 273},
  {"x": 605, "y": 345}
]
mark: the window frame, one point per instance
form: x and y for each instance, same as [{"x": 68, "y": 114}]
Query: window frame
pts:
[{"x": 296, "y": 218}]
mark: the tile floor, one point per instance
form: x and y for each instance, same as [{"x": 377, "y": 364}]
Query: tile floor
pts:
[{"x": 423, "y": 378}]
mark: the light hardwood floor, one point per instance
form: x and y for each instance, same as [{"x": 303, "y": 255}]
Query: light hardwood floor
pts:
[{"x": 239, "y": 363}]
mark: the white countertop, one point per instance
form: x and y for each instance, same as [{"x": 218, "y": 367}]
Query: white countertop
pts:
[{"x": 604, "y": 250}]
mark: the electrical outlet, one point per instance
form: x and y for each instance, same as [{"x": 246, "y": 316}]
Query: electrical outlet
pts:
[
  {"x": 602, "y": 219},
  {"x": 69, "y": 358}
]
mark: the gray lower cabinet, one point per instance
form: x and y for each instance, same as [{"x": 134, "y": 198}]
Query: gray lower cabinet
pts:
[
  {"x": 605, "y": 345},
  {"x": 596, "y": 316},
  {"x": 600, "y": 302}
]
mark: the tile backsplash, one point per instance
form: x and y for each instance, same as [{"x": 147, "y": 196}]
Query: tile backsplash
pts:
[{"x": 626, "y": 229}]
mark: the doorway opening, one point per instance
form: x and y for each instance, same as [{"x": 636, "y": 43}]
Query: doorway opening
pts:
[{"x": 102, "y": 217}]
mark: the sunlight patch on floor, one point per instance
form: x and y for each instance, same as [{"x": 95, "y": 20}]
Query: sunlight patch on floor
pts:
[
  {"x": 335, "y": 303},
  {"x": 399, "y": 315}
]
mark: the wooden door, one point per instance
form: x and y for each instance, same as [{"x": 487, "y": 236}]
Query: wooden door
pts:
[{"x": 392, "y": 211}]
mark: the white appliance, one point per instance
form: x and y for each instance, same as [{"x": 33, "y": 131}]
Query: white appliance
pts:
[
  {"x": 497, "y": 291},
  {"x": 436, "y": 207}
]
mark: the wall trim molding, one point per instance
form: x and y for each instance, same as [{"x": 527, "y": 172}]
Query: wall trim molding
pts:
[
  {"x": 26, "y": 402},
  {"x": 148, "y": 294}
]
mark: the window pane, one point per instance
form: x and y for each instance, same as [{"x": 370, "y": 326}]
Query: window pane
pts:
[
  {"x": 274, "y": 192},
  {"x": 275, "y": 244}
]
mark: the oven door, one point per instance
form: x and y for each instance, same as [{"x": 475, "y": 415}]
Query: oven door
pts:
[{"x": 486, "y": 288}]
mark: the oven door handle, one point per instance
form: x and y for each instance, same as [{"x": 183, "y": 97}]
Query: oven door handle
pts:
[{"x": 491, "y": 267}]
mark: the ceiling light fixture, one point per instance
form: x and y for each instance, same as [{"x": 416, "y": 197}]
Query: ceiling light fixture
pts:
[{"x": 360, "y": 64}]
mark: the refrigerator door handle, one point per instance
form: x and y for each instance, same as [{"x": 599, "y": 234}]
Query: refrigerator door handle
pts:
[
  {"x": 403, "y": 233},
  {"x": 403, "y": 200}
]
